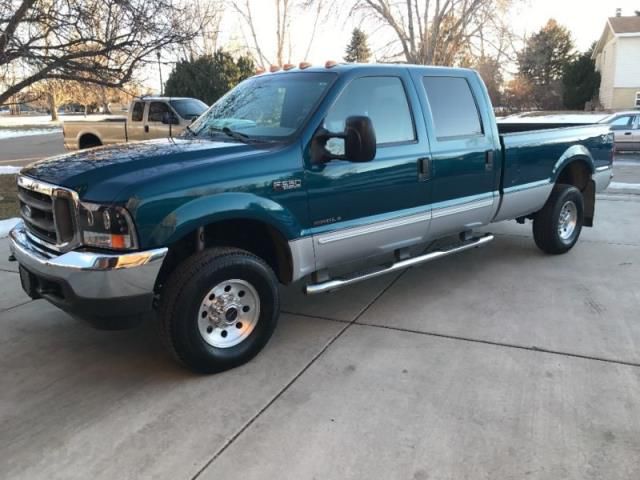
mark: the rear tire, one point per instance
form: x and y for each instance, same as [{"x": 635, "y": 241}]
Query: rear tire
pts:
[
  {"x": 557, "y": 226},
  {"x": 218, "y": 309}
]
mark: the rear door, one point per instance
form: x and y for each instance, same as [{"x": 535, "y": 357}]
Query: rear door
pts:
[
  {"x": 135, "y": 127},
  {"x": 465, "y": 160}
]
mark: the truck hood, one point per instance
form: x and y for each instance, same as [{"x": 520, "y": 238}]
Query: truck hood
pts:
[{"x": 100, "y": 173}]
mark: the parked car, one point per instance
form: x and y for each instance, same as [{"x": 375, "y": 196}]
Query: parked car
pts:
[
  {"x": 148, "y": 118},
  {"x": 626, "y": 129},
  {"x": 293, "y": 176}
]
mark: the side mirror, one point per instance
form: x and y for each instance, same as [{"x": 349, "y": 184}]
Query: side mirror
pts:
[
  {"x": 359, "y": 142},
  {"x": 359, "y": 139},
  {"x": 170, "y": 119}
]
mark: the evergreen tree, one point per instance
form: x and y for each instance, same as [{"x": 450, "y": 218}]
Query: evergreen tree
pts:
[
  {"x": 543, "y": 62},
  {"x": 357, "y": 51},
  {"x": 208, "y": 77},
  {"x": 581, "y": 81}
]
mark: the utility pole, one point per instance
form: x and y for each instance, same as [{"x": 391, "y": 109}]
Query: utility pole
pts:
[{"x": 160, "y": 71}]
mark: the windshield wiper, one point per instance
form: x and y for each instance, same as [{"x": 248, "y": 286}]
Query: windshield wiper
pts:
[{"x": 242, "y": 137}]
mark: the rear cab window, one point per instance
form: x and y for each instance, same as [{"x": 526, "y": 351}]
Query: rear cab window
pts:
[
  {"x": 137, "y": 112},
  {"x": 453, "y": 107}
]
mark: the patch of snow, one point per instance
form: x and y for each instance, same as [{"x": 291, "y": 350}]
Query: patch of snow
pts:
[
  {"x": 7, "y": 225},
  {"x": 624, "y": 186},
  {"x": 27, "y": 132},
  {"x": 9, "y": 170}
]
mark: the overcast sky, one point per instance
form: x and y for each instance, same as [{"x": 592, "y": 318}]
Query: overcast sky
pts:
[{"x": 584, "y": 18}]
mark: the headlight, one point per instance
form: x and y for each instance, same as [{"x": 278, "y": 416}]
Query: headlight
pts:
[{"x": 106, "y": 227}]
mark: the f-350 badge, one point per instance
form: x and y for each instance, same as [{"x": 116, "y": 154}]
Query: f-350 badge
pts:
[{"x": 285, "y": 185}]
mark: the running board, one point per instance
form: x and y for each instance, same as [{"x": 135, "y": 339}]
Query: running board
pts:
[{"x": 399, "y": 265}]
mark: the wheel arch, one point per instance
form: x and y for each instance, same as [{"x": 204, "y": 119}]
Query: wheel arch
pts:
[
  {"x": 576, "y": 168},
  {"x": 244, "y": 221},
  {"x": 89, "y": 139}
]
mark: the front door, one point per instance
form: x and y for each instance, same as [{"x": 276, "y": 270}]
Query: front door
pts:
[
  {"x": 371, "y": 208},
  {"x": 622, "y": 128},
  {"x": 156, "y": 128},
  {"x": 464, "y": 155}
]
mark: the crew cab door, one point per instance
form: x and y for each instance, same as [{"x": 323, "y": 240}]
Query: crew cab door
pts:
[
  {"x": 465, "y": 159},
  {"x": 369, "y": 208},
  {"x": 159, "y": 121},
  {"x": 135, "y": 125}
]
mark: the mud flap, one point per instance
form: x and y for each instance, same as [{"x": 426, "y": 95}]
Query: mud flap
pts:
[{"x": 589, "y": 196}]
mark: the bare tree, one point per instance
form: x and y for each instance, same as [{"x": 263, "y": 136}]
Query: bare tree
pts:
[
  {"x": 433, "y": 32},
  {"x": 285, "y": 10},
  {"x": 96, "y": 41}
]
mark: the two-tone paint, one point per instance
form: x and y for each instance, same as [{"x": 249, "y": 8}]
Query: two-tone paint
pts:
[{"x": 339, "y": 211}]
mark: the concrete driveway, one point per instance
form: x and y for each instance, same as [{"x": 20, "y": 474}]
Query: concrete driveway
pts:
[{"x": 499, "y": 363}]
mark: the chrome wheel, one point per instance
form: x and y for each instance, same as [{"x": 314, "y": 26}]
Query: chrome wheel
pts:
[
  {"x": 568, "y": 220},
  {"x": 228, "y": 313}
]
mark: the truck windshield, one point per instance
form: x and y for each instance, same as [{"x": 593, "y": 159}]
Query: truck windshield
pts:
[
  {"x": 189, "y": 108},
  {"x": 269, "y": 107}
]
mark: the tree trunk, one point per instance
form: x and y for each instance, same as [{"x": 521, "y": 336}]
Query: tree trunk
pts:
[{"x": 53, "y": 107}]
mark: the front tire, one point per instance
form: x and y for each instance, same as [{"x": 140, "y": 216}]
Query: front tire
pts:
[
  {"x": 218, "y": 309},
  {"x": 557, "y": 226}
]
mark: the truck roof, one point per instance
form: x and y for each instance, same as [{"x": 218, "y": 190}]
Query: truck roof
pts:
[
  {"x": 160, "y": 99},
  {"x": 349, "y": 67}
]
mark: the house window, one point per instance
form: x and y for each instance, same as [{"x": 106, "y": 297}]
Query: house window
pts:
[{"x": 637, "y": 99}]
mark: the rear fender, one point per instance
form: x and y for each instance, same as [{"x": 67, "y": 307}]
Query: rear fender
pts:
[{"x": 574, "y": 153}]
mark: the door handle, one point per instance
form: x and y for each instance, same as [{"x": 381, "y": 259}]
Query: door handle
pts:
[
  {"x": 424, "y": 168},
  {"x": 146, "y": 129},
  {"x": 627, "y": 133},
  {"x": 488, "y": 161}
]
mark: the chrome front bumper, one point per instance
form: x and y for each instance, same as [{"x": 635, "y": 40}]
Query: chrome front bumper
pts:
[{"x": 87, "y": 284}]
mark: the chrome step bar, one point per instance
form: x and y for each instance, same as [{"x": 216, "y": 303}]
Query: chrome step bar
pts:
[{"x": 399, "y": 265}]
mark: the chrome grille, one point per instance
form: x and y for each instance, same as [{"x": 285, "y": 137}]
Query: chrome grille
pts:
[
  {"x": 48, "y": 211},
  {"x": 36, "y": 210}
]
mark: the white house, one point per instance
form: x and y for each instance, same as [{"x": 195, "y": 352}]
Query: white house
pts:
[{"x": 617, "y": 57}]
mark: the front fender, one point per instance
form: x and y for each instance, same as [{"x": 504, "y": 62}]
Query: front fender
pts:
[
  {"x": 574, "y": 153},
  {"x": 203, "y": 211}
]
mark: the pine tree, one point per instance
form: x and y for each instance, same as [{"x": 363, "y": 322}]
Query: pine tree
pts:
[
  {"x": 208, "y": 77},
  {"x": 357, "y": 50},
  {"x": 581, "y": 81}
]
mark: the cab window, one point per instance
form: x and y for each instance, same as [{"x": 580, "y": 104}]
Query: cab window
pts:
[
  {"x": 157, "y": 111},
  {"x": 383, "y": 100},
  {"x": 453, "y": 107},
  {"x": 624, "y": 121},
  {"x": 137, "y": 112}
]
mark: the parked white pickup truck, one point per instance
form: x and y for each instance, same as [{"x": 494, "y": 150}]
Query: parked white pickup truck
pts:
[{"x": 148, "y": 118}]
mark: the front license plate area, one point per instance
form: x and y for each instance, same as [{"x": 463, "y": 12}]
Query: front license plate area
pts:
[{"x": 29, "y": 282}]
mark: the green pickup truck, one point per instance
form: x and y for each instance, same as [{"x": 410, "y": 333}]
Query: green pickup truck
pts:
[{"x": 327, "y": 176}]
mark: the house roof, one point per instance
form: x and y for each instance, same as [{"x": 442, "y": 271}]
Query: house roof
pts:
[
  {"x": 617, "y": 26},
  {"x": 625, "y": 24}
]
